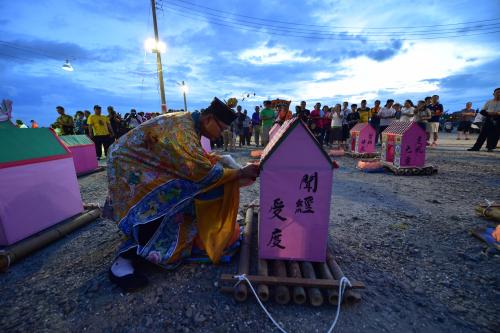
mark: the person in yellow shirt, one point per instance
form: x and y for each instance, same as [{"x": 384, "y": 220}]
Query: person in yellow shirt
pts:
[
  {"x": 100, "y": 131},
  {"x": 364, "y": 112}
]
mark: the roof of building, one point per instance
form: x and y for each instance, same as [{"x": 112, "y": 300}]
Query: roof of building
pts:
[
  {"x": 285, "y": 129},
  {"x": 28, "y": 144},
  {"x": 399, "y": 127},
  {"x": 359, "y": 126},
  {"x": 76, "y": 140}
]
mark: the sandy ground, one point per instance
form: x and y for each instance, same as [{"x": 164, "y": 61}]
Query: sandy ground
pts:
[{"x": 405, "y": 237}]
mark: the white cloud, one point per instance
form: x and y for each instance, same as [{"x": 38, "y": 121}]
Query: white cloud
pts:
[
  {"x": 264, "y": 55},
  {"x": 406, "y": 72}
]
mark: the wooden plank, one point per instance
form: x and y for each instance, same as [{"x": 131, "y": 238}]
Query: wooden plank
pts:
[
  {"x": 241, "y": 291},
  {"x": 289, "y": 281}
]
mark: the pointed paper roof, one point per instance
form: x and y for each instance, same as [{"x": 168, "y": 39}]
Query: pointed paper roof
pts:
[
  {"x": 75, "y": 140},
  {"x": 399, "y": 127},
  {"x": 285, "y": 129},
  {"x": 359, "y": 126}
]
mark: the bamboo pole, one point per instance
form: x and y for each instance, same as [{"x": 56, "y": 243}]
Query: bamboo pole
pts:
[
  {"x": 262, "y": 289},
  {"x": 298, "y": 293},
  {"x": 241, "y": 290},
  {"x": 338, "y": 274},
  {"x": 282, "y": 294},
  {"x": 291, "y": 282},
  {"x": 324, "y": 273},
  {"x": 315, "y": 296},
  {"x": 14, "y": 253}
]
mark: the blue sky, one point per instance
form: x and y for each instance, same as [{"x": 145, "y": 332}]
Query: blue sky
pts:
[{"x": 327, "y": 51}]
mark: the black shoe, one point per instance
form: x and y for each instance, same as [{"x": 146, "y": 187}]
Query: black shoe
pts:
[
  {"x": 490, "y": 150},
  {"x": 473, "y": 149},
  {"x": 129, "y": 282}
]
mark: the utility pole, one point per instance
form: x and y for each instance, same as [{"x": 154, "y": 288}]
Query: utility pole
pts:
[
  {"x": 184, "y": 93},
  {"x": 158, "y": 60}
]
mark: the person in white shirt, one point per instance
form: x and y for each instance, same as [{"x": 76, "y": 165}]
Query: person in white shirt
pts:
[
  {"x": 387, "y": 115},
  {"x": 336, "y": 132},
  {"x": 408, "y": 111}
]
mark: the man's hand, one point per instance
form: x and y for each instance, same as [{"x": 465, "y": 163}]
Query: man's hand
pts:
[{"x": 250, "y": 171}]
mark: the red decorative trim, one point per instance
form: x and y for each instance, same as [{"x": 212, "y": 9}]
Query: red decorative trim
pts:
[{"x": 33, "y": 161}]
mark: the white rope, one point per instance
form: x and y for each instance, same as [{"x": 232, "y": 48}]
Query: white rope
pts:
[
  {"x": 488, "y": 203},
  {"x": 344, "y": 282}
]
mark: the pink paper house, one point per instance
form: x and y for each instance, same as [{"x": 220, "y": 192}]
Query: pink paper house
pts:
[
  {"x": 83, "y": 151},
  {"x": 295, "y": 195},
  {"x": 362, "y": 138},
  {"x": 38, "y": 186},
  {"x": 205, "y": 144},
  {"x": 403, "y": 145}
]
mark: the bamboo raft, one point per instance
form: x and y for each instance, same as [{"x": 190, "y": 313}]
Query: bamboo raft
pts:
[
  {"x": 426, "y": 170},
  {"x": 287, "y": 280},
  {"x": 361, "y": 155}
]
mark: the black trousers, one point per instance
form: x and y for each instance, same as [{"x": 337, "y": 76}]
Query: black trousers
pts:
[
  {"x": 489, "y": 133},
  {"x": 101, "y": 141}
]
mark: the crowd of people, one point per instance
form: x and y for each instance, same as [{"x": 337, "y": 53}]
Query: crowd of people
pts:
[
  {"x": 102, "y": 129},
  {"x": 331, "y": 125}
]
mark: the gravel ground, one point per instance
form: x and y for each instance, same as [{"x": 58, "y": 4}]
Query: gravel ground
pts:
[{"x": 405, "y": 237}]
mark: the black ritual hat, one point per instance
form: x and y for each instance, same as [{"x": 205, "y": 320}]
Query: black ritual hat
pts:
[{"x": 221, "y": 111}]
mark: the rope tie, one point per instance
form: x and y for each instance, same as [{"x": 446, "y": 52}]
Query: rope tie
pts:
[
  {"x": 488, "y": 205},
  {"x": 344, "y": 282}
]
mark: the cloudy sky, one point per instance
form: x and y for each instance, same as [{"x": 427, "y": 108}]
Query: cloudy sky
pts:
[{"x": 327, "y": 51}]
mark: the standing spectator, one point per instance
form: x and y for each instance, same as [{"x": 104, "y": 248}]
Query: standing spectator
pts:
[
  {"x": 317, "y": 122},
  {"x": 433, "y": 125},
  {"x": 267, "y": 117},
  {"x": 86, "y": 114},
  {"x": 256, "y": 125},
  {"x": 364, "y": 112},
  {"x": 397, "y": 110},
  {"x": 353, "y": 117},
  {"x": 240, "y": 118},
  {"x": 422, "y": 115},
  {"x": 34, "y": 124},
  {"x": 247, "y": 123},
  {"x": 20, "y": 124},
  {"x": 466, "y": 117},
  {"x": 375, "y": 120},
  {"x": 100, "y": 131},
  {"x": 133, "y": 119},
  {"x": 336, "y": 132},
  {"x": 64, "y": 122},
  {"x": 79, "y": 123},
  {"x": 283, "y": 114},
  {"x": 345, "y": 123},
  {"x": 387, "y": 115},
  {"x": 115, "y": 121},
  {"x": 491, "y": 128},
  {"x": 304, "y": 113},
  {"x": 327, "y": 125},
  {"x": 408, "y": 111}
]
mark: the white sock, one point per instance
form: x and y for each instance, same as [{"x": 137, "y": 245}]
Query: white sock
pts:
[{"x": 121, "y": 267}]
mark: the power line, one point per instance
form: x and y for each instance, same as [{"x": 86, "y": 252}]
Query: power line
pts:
[
  {"x": 336, "y": 27},
  {"x": 340, "y": 36},
  {"x": 249, "y": 24},
  {"x": 28, "y": 49}
]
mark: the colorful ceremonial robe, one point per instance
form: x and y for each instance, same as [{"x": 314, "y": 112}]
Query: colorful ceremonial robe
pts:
[{"x": 160, "y": 171}]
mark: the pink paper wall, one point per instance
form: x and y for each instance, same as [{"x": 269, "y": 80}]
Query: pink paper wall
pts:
[
  {"x": 365, "y": 141},
  {"x": 413, "y": 147},
  {"x": 302, "y": 235},
  {"x": 84, "y": 158},
  {"x": 205, "y": 144},
  {"x": 36, "y": 196}
]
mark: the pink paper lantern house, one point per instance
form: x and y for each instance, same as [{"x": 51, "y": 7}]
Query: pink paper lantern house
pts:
[
  {"x": 38, "y": 186},
  {"x": 295, "y": 195},
  {"x": 403, "y": 145},
  {"x": 362, "y": 139},
  {"x": 83, "y": 151}
]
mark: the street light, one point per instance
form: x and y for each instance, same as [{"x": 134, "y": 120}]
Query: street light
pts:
[
  {"x": 67, "y": 66},
  {"x": 151, "y": 46},
  {"x": 184, "y": 89}
]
